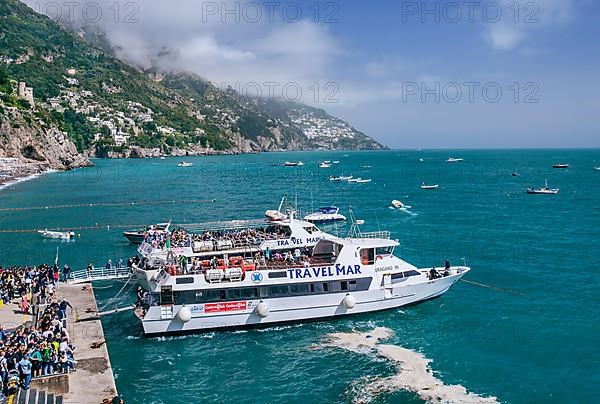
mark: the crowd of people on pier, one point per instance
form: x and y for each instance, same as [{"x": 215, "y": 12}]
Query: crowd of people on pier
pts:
[
  {"x": 232, "y": 237},
  {"x": 44, "y": 347}
]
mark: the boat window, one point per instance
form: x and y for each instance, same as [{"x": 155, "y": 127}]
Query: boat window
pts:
[
  {"x": 310, "y": 229},
  {"x": 367, "y": 256},
  {"x": 352, "y": 285},
  {"x": 325, "y": 287},
  {"x": 212, "y": 295},
  {"x": 397, "y": 276},
  {"x": 183, "y": 281},
  {"x": 344, "y": 285},
  {"x": 276, "y": 275},
  {"x": 300, "y": 289},
  {"x": 387, "y": 250},
  {"x": 411, "y": 273},
  {"x": 274, "y": 291}
]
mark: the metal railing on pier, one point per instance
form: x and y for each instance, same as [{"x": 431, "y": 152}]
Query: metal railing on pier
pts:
[{"x": 96, "y": 274}]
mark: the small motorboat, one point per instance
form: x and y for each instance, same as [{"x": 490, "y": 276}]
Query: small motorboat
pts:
[
  {"x": 399, "y": 205},
  {"x": 336, "y": 162},
  {"x": 560, "y": 166},
  {"x": 425, "y": 186},
  {"x": 293, "y": 164},
  {"x": 184, "y": 164},
  {"x": 421, "y": 160},
  {"x": 138, "y": 236},
  {"x": 341, "y": 178},
  {"x": 324, "y": 165},
  {"x": 359, "y": 180},
  {"x": 332, "y": 178},
  {"x": 275, "y": 215},
  {"x": 545, "y": 190},
  {"x": 516, "y": 174},
  {"x": 327, "y": 162},
  {"x": 365, "y": 166},
  {"x": 454, "y": 160},
  {"x": 327, "y": 214},
  {"x": 62, "y": 235}
]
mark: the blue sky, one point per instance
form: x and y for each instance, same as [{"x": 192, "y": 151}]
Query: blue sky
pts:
[{"x": 382, "y": 58}]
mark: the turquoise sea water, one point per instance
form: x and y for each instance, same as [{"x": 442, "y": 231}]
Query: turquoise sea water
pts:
[{"x": 538, "y": 344}]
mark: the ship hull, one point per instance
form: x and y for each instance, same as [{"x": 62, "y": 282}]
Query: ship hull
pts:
[{"x": 293, "y": 309}]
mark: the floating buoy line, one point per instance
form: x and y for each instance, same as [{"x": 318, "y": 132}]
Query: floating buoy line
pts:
[{"x": 107, "y": 204}]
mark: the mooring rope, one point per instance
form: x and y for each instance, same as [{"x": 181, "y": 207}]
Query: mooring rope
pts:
[{"x": 483, "y": 285}]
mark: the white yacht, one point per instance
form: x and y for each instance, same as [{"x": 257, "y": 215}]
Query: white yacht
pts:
[
  {"x": 326, "y": 214},
  {"x": 185, "y": 164},
  {"x": 432, "y": 186},
  {"x": 454, "y": 160},
  {"x": 545, "y": 190},
  {"x": 325, "y": 165},
  {"x": 293, "y": 164},
  {"x": 63, "y": 235},
  {"x": 359, "y": 180},
  {"x": 341, "y": 276}
]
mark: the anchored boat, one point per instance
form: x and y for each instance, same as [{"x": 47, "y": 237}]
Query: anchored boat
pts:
[
  {"x": 560, "y": 166},
  {"x": 424, "y": 186},
  {"x": 293, "y": 164},
  {"x": 63, "y": 235},
  {"x": 138, "y": 236},
  {"x": 184, "y": 164},
  {"x": 340, "y": 276},
  {"x": 454, "y": 160},
  {"x": 545, "y": 190}
]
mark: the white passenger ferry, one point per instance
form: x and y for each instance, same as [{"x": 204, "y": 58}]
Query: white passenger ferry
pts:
[{"x": 341, "y": 276}]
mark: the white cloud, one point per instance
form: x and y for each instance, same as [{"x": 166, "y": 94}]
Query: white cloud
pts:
[{"x": 520, "y": 21}]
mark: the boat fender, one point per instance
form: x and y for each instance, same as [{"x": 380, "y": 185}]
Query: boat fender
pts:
[
  {"x": 184, "y": 314},
  {"x": 262, "y": 309},
  {"x": 349, "y": 301}
]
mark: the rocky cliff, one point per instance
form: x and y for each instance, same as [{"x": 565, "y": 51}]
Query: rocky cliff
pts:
[{"x": 34, "y": 145}]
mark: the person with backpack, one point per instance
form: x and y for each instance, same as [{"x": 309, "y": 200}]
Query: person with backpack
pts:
[{"x": 46, "y": 359}]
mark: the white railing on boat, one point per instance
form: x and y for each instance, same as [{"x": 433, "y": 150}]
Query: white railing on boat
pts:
[
  {"x": 83, "y": 275},
  {"x": 375, "y": 234}
]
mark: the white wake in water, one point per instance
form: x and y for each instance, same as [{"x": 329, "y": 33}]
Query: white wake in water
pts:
[{"x": 413, "y": 374}]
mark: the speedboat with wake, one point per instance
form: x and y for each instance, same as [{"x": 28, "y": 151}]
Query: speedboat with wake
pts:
[
  {"x": 338, "y": 277},
  {"x": 293, "y": 164},
  {"x": 62, "y": 235},
  {"x": 560, "y": 166},
  {"x": 185, "y": 164},
  {"x": 545, "y": 190},
  {"x": 399, "y": 205},
  {"x": 454, "y": 160},
  {"x": 325, "y": 165},
  {"x": 425, "y": 186},
  {"x": 327, "y": 214}
]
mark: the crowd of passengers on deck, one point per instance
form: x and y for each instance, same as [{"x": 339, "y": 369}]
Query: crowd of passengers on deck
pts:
[
  {"x": 237, "y": 238},
  {"x": 39, "y": 350},
  {"x": 299, "y": 257}
]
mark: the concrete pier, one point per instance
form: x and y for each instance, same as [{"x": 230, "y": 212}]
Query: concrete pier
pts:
[{"x": 93, "y": 381}]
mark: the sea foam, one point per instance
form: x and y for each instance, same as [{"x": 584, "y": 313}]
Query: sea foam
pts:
[{"x": 413, "y": 374}]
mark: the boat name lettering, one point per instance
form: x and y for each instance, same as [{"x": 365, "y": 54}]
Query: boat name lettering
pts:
[
  {"x": 297, "y": 241},
  {"x": 320, "y": 272},
  {"x": 388, "y": 268}
]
